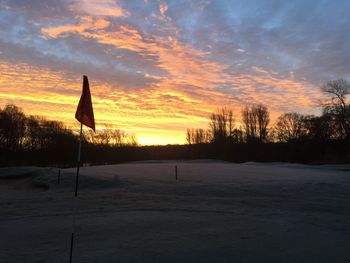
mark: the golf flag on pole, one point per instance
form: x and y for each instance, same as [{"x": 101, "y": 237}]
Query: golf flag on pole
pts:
[{"x": 85, "y": 113}]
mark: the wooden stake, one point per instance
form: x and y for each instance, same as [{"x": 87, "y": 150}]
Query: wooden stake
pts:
[{"x": 59, "y": 176}]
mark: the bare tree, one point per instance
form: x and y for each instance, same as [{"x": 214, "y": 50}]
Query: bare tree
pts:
[
  {"x": 111, "y": 137},
  {"x": 103, "y": 137},
  {"x": 132, "y": 140},
  {"x": 89, "y": 136},
  {"x": 231, "y": 124},
  {"x": 255, "y": 123},
  {"x": 290, "y": 127},
  {"x": 218, "y": 127},
  {"x": 208, "y": 136},
  {"x": 189, "y": 136},
  {"x": 196, "y": 136},
  {"x": 249, "y": 124},
  {"x": 337, "y": 106},
  {"x": 119, "y": 137},
  {"x": 12, "y": 127},
  {"x": 237, "y": 136},
  {"x": 222, "y": 126},
  {"x": 263, "y": 119},
  {"x": 51, "y": 132},
  {"x": 319, "y": 129},
  {"x": 33, "y": 133},
  {"x": 17, "y": 131}
]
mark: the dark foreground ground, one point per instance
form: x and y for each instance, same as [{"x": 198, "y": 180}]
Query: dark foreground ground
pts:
[{"x": 214, "y": 212}]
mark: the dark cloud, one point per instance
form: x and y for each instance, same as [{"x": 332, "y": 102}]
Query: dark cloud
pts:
[
  {"x": 305, "y": 37},
  {"x": 37, "y": 10}
]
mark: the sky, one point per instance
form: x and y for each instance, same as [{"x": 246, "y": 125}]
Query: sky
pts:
[{"x": 157, "y": 68}]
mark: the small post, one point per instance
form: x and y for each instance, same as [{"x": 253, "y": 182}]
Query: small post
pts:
[
  {"x": 59, "y": 176},
  {"x": 176, "y": 172}
]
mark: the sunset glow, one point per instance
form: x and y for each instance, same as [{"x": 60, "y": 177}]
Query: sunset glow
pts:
[{"x": 157, "y": 68}]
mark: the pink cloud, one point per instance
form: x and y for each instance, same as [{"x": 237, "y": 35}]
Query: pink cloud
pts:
[{"x": 98, "y": 8}]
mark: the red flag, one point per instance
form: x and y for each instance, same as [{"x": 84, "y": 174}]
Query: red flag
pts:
[{"x": 85, "y": 113}]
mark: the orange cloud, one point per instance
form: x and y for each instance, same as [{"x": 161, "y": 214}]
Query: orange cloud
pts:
[
  {"x": 189, "y": 87},
  {"x": 97, "y": 8},
  {"x": 55, "y": 95},
  {"x": 88, "y": 23},
  {"x": 183, "y": 63},
  {"x": 157, "y": 114}
]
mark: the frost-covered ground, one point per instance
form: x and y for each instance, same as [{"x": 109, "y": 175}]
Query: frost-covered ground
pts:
[{"x": 214, "y": 212}]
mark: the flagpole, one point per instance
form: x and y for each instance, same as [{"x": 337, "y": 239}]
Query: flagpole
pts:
[
  {"x": 76, "y": 192},
  {"x": 85, "y": 115},
  {"x": 78, "y": 161}
]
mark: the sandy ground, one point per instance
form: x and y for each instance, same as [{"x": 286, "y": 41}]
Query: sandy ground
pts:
[{"x": 214, "y": 212}]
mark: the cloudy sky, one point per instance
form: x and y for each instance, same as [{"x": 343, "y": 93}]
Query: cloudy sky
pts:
[{"x": 159, "y": 67}]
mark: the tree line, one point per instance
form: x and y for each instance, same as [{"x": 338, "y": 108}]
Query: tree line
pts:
[
  {"x": 332, "y": 125},
  {"x": 18, "y": 132},
  {"x": 294, "y": 137},
  {"x": 34, "y": 138}
]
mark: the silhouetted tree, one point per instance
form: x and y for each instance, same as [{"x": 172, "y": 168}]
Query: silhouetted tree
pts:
[
  {"x": 237, "y": 136},
  {"x": 132, "y": 140},
  {"x": 33, "y": 133},
  {"x": 53, "y": 133},
  {"x": 337, "y": 106},
  {"x": 104, "y": 136},
  {"x": 12, "y": 127},
  {"x": 196, "y": 136},
  {"x": 231, "y": 125},
  {"x": 255, "y": 123},
  {"x": 263, "y": 118},
  {"x": 189, "y": 136},
  {"x": 249, "y": 124},
  {"x": 290, "y": 127},
  {"x": 109, "y": 136},
  {"x": 222, "y": 126},
  {"x": 318, "y": 129},
  {"x": 89, "y": 136}
]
